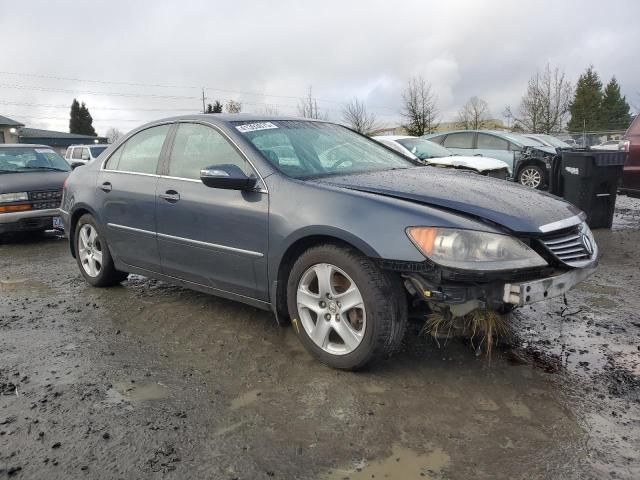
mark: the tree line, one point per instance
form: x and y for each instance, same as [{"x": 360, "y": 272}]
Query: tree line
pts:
[{"x": 550, "y": 104}]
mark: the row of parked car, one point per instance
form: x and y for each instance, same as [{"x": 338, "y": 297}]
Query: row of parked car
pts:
[{"x": 331, "y": 230}]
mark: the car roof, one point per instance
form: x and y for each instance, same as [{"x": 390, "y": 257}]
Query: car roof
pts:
[
  {"x": 226, "y": 118},
  {"x": 23, "y": 145},
  {"x": 394, "y": 137},
  {"x": 87, "y": 145}
]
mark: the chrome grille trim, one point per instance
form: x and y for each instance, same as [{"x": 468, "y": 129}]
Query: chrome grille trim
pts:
[{"x": 569, "y": 247}]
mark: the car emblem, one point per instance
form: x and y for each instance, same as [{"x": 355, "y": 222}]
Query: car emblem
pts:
[{"x": 588, "y": 246}]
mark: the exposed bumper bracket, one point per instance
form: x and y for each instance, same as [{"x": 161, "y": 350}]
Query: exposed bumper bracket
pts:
[{"x": 525, "y": 293}]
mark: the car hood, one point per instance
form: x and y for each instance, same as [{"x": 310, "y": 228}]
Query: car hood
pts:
[
  {"x": 481, "y": 164},
  {"x": 544, "y": 149},
  {"x": 31, "y": 181},
  {"x": 517, "y": 208}
]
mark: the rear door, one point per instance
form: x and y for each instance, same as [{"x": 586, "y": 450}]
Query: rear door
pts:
[
  {"x": 127, "y": 193},
  {"x": 211, "y": 236},
  {"x": 493, "y": 146},
  {"x": 460, "y": 142}
]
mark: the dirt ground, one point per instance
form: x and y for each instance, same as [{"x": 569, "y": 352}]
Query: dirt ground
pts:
[{"x": 147, "y": 380}]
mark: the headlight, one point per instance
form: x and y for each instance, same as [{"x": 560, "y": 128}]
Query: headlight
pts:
[
  {"x": 13, "y": 197},
  {"x": 471, "y": 250}
]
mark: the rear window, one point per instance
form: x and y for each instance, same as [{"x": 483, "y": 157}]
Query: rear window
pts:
[
  {"x": 459, "y": 140},
  {"x": 17, "y": 159},
  {"x": 95, "y": 151}
]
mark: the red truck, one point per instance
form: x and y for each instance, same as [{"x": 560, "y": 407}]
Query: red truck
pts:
[{"x": 631, "y": 143}]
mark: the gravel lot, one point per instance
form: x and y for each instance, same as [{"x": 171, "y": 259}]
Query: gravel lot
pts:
[{"x": 153, "y": 381}]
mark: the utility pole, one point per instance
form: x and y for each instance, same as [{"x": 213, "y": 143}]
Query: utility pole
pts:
[{"x": 204, "y": 109}]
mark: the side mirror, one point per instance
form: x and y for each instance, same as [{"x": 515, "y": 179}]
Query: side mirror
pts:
[
  {"x": 227, "y": 176},
  {"x": 76, "y": 164}
]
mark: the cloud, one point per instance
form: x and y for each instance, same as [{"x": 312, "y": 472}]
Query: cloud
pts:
[{"x": 271, "y": 52}]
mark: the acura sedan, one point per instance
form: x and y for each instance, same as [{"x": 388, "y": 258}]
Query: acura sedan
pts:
[{"x": 320, "y": 225}]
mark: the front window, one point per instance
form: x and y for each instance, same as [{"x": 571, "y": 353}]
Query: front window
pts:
[
  {"x": 303, "y": 149},
  {"x": 424, "y": 149},
  {"x": 20, "y": 159},
  {"x": 459, "y": 140}
]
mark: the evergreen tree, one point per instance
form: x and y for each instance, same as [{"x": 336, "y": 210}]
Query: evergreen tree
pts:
[
  {"x": 586, "y": 108},
  {"x": 615, "y": 109},
  {"x": 209, "y": 108},
  {"x": 217, "y": 107},
  {"x": 86, "y": 122},
  {"x": 75, "y": 122}
]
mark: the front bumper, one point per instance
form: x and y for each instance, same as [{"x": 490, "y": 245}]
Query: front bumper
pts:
[
  {"x": 31, "y": 220},
  {"x": 525, "y": 293}
]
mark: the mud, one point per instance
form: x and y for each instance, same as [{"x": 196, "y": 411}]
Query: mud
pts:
[{"x": 148, "y": 380}]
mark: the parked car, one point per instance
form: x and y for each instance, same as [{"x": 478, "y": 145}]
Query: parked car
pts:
[
  {"x": 31, "y": 178},
  {"x": 608, "y": 145},
  {"x": 436, "y": 155},
  {"x": 529, "y": 160},
  {"x": 77, "y": 155},
  {"x": 319, "y": 224},
  {"x": 631, "y": 143},
  {"x": 549, "y": 140}
]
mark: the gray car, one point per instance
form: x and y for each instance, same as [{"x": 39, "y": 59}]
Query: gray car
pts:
[
  {"x": 31, "y": 178},
  {"x": 321, "y": 225}
]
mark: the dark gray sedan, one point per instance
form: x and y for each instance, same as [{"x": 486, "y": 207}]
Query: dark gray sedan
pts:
[{"x": 319, "y": 224}]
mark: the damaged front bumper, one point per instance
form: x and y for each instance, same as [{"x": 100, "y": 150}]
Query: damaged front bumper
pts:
[
  {"x": 525, "y": 293},
  {"x": 497, "y": 294}
]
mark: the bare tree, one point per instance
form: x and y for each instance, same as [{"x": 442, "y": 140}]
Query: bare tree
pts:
[
  {"x": 113, "y": 134},
  {"x": 308, "y": 107},
  {"x": 356, "y": 115},
  {"x": 545, "y": 105},
  {"x": 233, "y": 106},
  {"x": 474, "y": 114},
  {"x": 420, "y": 107},
  {"x": 270, "y": 110}
]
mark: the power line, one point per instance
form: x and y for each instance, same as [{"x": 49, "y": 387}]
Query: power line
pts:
[{"x": 156, "y": 85}]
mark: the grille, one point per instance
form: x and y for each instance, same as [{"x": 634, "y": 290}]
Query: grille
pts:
[
  {"x": 569, "y": 247},
  {"x": 45, "y": 199}
]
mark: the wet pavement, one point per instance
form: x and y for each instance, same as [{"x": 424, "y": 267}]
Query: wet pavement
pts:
[{"x": 148, "y": 380}]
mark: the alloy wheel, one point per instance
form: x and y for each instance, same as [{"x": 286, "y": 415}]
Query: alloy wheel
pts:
[
  {"x": 331, "y": 309},
  {"x": 90, "y": 250},
  {"x": 530, "y": 177}
]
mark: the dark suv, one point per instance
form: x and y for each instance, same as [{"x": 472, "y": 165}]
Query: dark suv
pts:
[
  {"x": 319, "y": 224},
  {"x": 631, "y": 143}
]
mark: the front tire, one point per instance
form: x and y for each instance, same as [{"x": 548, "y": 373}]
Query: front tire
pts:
[
  {"x": 532, "y": 176},
  {"x": 93, "y": 255},
  {"x": 344, "y": 308}
]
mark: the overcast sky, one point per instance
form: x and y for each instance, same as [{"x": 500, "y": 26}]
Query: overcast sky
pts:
[{"x": 270, "y": 52}]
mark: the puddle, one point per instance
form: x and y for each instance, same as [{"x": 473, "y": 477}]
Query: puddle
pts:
[
  {"x": 402, "y": 464},
  {"x": 245, "y": 399},
  {"x": 136, "y": 393},
  {"x": 20, "y": 285}
]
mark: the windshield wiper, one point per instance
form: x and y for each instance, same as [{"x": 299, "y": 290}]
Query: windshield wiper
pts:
[{"x": 44, "y": 168}]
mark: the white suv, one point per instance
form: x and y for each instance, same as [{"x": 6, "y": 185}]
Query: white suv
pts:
[{"x": 81, "y": 154}]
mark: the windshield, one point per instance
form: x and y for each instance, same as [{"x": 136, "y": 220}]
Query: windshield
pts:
[
  {"x": 553, "y": 141},
  {"x": 522, "y": 140},
  {"x": 95, "y": 151},
  {"x": 303, "y": 149},
  {"x": 424, "y": 149},
  {"x": 21, "y": 159}
]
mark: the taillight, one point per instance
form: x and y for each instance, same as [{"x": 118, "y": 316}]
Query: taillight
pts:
[{"x": 624, "y": 145}]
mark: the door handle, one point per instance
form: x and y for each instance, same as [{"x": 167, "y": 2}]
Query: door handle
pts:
[
  {"x": 170, "y": 196},
  {"x": 105, "y": 187}
]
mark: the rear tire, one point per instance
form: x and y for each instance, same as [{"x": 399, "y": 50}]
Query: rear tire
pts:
[
  {"x": 93, "y": 256},
  {"x": 359, "y": 315}
]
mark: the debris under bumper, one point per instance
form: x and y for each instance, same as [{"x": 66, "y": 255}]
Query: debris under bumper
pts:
[{"x": 524, "y": 293}]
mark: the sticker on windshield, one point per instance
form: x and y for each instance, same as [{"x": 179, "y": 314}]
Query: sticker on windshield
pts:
[
  {"x": 44, "y": 150},
  {"x": 254, "y": 127}
]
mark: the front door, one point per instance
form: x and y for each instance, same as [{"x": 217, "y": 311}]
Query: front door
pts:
[
  {"x": 211, "y": 236},
  {"x": 127, "y": 190},
  {"x": 492, "y": 146}
]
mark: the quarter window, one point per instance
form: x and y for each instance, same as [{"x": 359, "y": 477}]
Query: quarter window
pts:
[
  {"x": 197, "y": 146},
  {"x": 491, "y": 142},
  {"x": 459, "y": 140},
  {"x": 140, "y": 154}
]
